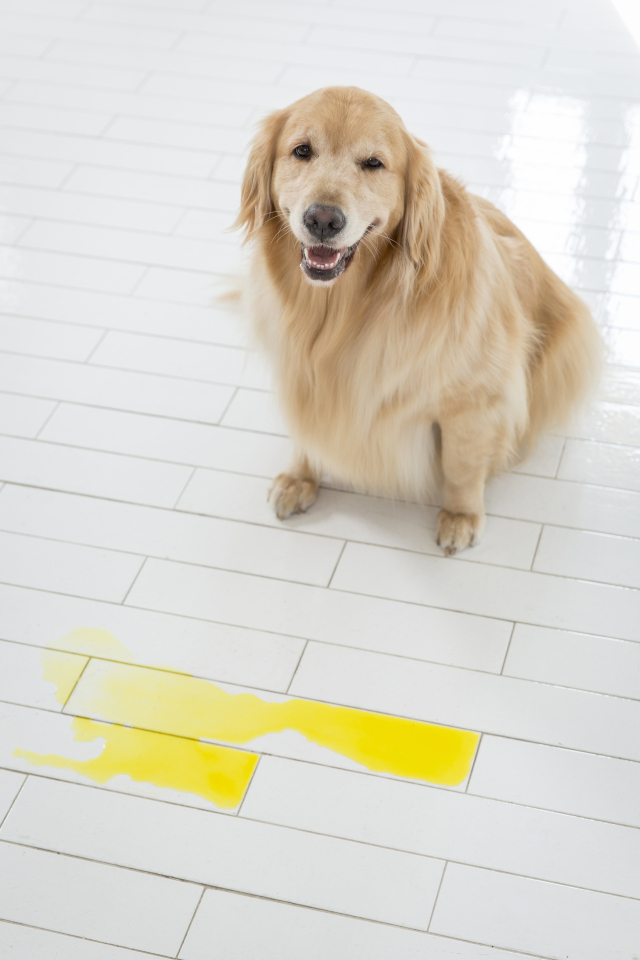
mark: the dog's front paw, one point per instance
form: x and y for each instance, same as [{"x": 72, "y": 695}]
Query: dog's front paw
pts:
[
  {"x": 455, "y": 531},
  {"x": 291, "y": 495}
]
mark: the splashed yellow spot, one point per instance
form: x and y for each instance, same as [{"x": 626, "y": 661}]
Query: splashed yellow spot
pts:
[
  {"x": 95, "y": 643},
  {"x": 63, "y": 670},
  {"x": 218, "y": 774},
  {"x": 189, "y": 707}
]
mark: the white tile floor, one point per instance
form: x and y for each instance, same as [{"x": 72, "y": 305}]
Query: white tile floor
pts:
[{"x": 137, "y": 439}]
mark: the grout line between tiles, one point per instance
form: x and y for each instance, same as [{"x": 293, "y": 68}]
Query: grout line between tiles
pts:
[
  {"x": 293, "y": 675},
  {"x": 340, "y": 555},
  {"x": 535, "y": 552},
  {"x": 204, "y": 890},
  {"x": 226, "y": 408},
  {"x": 4, "y": 819},
  {"x": 99, "y": 342},
  {"x": 248, "y": 787},
  {"x": 124, "y": 599},
  {"x": 81, "y": 939},
  {"x": 506, "y": 653},
  {"x": 198, "y": 883},
  {"x": 181, "y": 494},
  {"x": 433, "y": 909},
  {"x": 473, "y": 764},
  {"x": 56, "y": 407},
  {"x": 310, "y": 583},
  {"x": 78, "y": 679},
  {"x": 419, "y": 785}
]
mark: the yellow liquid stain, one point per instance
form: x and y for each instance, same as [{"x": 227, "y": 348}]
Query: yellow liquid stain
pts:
[
  {"x": 94, "y": 642},
  {"x": 157, "y": 718},
  {"x": 63, "y": 670},
  {"x": 217, "y": 774},
  {"x": 189, "y": 707}
]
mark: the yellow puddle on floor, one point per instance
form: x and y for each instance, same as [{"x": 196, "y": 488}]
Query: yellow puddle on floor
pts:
[
  {"x": 214, "y": 773},
  {"x": 184, "y": 710}
]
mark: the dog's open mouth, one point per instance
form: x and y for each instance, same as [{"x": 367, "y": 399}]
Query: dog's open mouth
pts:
[{"x": 325, "y": 263}]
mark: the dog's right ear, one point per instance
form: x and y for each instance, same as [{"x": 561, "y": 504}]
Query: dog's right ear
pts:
[{"x": 256, "y": 202}]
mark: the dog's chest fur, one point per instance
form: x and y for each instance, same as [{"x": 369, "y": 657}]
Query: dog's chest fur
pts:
[{"x": 353, "y": 400}]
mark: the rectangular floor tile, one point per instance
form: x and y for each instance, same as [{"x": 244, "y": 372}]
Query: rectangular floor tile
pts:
[
  {"x": 96, "y": 901},
  {"x": 445, "y": 824},
  {"x": 119, "y": 389},
  {"x": 35, "y": 117},
  {"x": 161, "y": 438},
  {"x": 184, "y": 191},
  {"x": 131, "y": 156},
  {"x": 10, "y": 784},
  {"x": 87, "y": 273},
  {"x": 129, "y": 245},
  {"x": 181, "y": 358},
  {"x": 47, "y": 302},
  {"x": 564, "y": 503},
  {"x": 100, "y": 474},
  {"x": 36, "y": 677},
  {"x": 47, "y": 339},
  {"x": 568, "y": 781},
  {"x": 574, "y": 660},
  {"x": 540, "y": 918},
  {"x": 68, "y": 206},
  {"x": 251, "y": 926},
  {"x": 543, "y": 460},
  {"x": 610, "y": 422},
  {"x": 11, "y": 227},
  {"x": 23, "y": 416},
  {"x": 589, "y": 556},
  {"x": 196, "y": 288},
  {"x": 255, "y": 410},
  {"x": 168, "y": 534},
  {"x": 620, "y": 384},
  {"x": 325, "y": 615},
  {"x": 66, "y": 567},
  {"x": 124, "y": 634},
  {"x": 603, "y": 463},
  {"x": 24, "y": 943},
  {"x": 351, "y": 516},
  {"x": 536, "y": 598},
  {"x": 476, "y": 701},
  {"x": 227, "y": 852},
  {"x": 37, "y": 172},
  {"x": 130, "y": 104}
]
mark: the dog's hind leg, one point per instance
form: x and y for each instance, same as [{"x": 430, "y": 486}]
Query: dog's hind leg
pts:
[{"x": 295, "y": 490}]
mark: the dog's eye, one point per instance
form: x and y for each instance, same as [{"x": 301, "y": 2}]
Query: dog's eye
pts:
[
  {"x": 372, "y": 163},
  {"x": 303, "y": 151}
]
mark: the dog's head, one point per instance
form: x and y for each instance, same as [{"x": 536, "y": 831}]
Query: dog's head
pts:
[{"x": 339, "y": 167}]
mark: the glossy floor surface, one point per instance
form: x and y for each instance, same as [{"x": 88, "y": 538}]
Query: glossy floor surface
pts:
[{"x": 409, "y": 756}]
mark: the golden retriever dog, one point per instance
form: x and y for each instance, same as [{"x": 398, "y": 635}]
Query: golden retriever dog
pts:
[{"x": 416, "y": 336}]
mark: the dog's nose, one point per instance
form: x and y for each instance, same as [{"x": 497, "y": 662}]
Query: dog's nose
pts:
[{"x": 322, "y": 221}]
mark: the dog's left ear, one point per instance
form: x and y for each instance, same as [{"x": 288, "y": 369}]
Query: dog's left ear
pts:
[
  {"x": 256, "y": 202},
  {"x": 424, "y": 210}
]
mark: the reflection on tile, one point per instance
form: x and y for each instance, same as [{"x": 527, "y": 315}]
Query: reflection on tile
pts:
[
  {"x": 602, "y": 463},
  {"x": 620, "y": 311}
]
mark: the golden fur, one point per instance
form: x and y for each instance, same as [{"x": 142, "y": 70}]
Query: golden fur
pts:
[{"x": 440, "y": 353}]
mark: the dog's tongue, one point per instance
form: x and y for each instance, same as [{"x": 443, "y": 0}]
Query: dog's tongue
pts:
[{"x": 322, "y": 256}]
